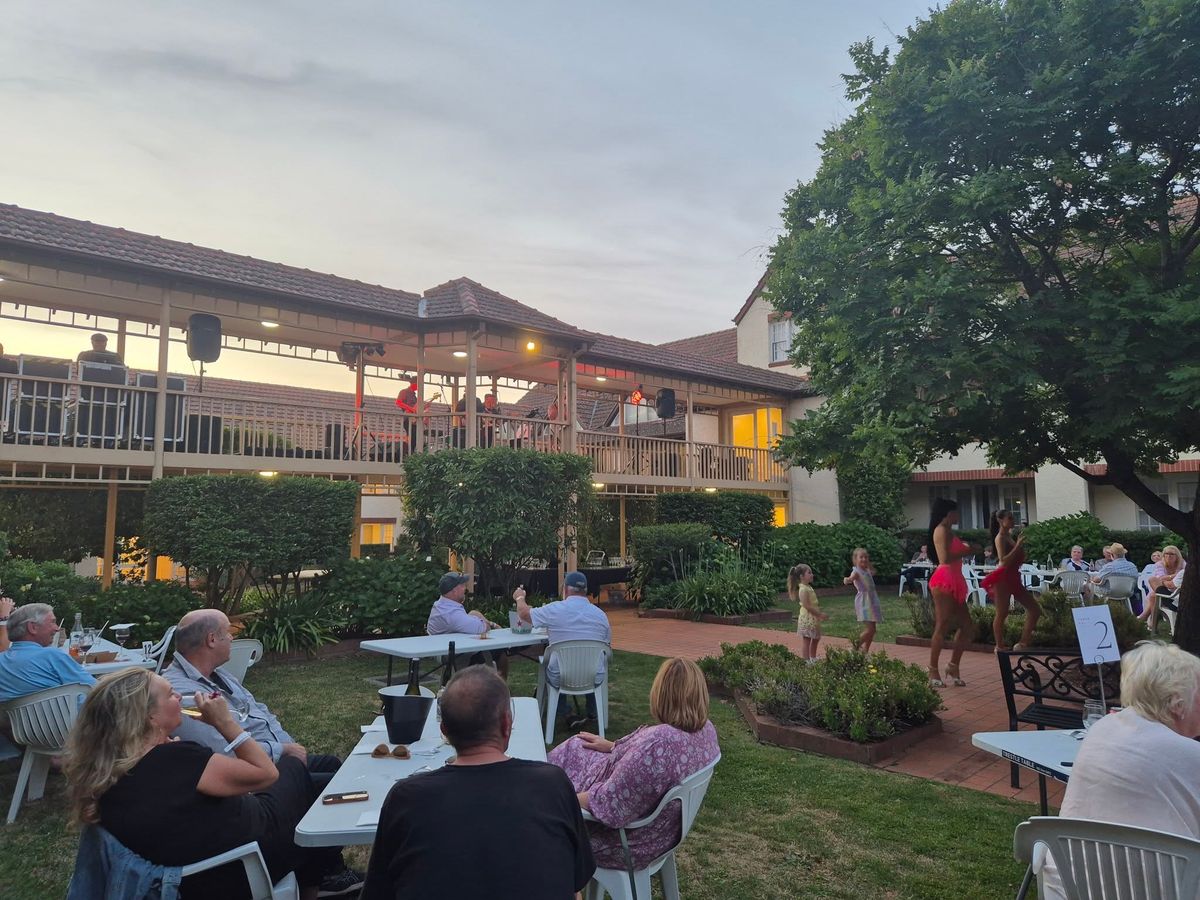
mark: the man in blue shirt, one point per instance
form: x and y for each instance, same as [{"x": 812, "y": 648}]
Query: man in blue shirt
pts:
[
  {"x": 450, "y": 616},
  {"x": 31, "y": 664}
]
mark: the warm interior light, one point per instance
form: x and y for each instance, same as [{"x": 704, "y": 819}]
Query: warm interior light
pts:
[
  {"x": 710, "y": 490},
  {"x": 635, "y": 399},
  {"x": 531, "y": 345},
  {"x": 460, "y": 354},
  {"x": 598, "y": 485},
  {"x": 266, "y": 324},
  {"x": 268, "y": 474},
  {"x": 601, "y": 378}
]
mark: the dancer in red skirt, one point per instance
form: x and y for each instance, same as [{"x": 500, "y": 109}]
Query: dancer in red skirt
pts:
[{"x": 1005, "y": 582}]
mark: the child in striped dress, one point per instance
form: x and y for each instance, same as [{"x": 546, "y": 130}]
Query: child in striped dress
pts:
[
  {"x": 866, "y": 600},
  {"x": 810, "y": 617}
]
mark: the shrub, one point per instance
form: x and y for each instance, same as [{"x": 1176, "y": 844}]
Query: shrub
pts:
[
  {"x": 289, "y": 623},
  {"x": 53, "y": 582},
  {"x": 1140, "y": 544},
  {"x": 384, "y": 596},
  {"x": 1053, "y": 538},
  {"x": 735, "y": 517},
  {"x": 827, "y": 549},
  {"x": 911, "y": 539},
  {"x": 152, "y": 607},
  {"x": 740, "y": 664},
  {"x": 727, "y": 591},
  {"x": 665, "y": 553}
]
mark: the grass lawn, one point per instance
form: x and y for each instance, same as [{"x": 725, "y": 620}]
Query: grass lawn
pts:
[
  {"x": 841, "y": 623},
  {"x": 776, "y": 823}
]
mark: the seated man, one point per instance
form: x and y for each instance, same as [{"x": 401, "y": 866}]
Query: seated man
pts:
[
  {"x": 100, "y": 352},
  {"x": 449, "y": 616},
  {"x": 573, "y": 618},
  {"x": 31, "y": 664},
  {"x": 1075, "y": 562},
  {"x": 515, "y": 823},
  {"x": 1118, "y": 566},
  {"x": 202, "y": 645}
]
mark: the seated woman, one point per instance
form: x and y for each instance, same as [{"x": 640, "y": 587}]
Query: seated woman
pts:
[
  {"x": 622, "y": 781},
  {"x": 1141, "y": 766},
  {"x": 1167, "y": 577},
  {"x": 175, "y": 802}
]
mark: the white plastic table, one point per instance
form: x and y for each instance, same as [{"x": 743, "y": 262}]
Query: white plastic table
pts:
[
  {"x": 337, "y": 825},
  {"x": 433, "y": 646},
  {"x": 1050, "y": 753},
  {"x": 126, "y": 658}
]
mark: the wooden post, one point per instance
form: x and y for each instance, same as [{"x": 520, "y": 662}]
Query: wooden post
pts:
[
  {"x": 356, "y": 536},
  {"x": 472, "y": 417},
  {"x": 121, "y": 337},
  {"x": 160, "y": 409},
  {"x": 110, "y": 537},
  {"x": 420, "y": 423},
  {"x": 690, "y": 437},
  {"x": 621, "y": 520},
  {"x": 572, "y": 399}
]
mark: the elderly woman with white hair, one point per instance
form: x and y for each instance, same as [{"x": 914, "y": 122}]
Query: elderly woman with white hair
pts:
[{"x": 1141, "y": 766}]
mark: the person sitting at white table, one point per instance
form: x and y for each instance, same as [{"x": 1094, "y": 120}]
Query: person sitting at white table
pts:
[
  {"x": 1075, "y": 562},
  {"x": 1117, "y": 565},
  {"x": 32, "y": 663},
  {"x": 449, "y": 616},
  {"x": 573, "y": 618},
  {"x": 1141, "y": 766},
  {"x": 485, "y": 825}
]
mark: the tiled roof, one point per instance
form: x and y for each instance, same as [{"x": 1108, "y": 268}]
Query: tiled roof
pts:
[
  {"x": 463, "y": 298},
  {"x": 758, "y": 288},
  {"x": 720, "y": 346}
]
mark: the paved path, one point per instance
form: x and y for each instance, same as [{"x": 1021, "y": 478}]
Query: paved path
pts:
[{"x": 948, "y": 757}]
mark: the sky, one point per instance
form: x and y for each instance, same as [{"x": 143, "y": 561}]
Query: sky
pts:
[{"x": 619, "y": 165}]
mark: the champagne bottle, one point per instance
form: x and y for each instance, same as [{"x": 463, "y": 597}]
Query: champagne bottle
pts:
[{"x": 414, "y": 679}]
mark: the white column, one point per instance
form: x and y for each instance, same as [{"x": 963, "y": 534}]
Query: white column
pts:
[
  {"x": 160, "y": 409},
  {"x": 472, "y": 417}
]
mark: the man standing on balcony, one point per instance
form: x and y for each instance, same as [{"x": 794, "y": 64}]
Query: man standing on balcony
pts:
[
  {"x": 487, "y": 430},
  {"x": 100, "y": 352}
]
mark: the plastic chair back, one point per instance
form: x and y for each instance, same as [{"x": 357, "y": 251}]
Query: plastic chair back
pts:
[
  {"x": 243, "y": 653},
  {"x": 41, "y": 721},
  {"x": 578, "y": 663},
  {"x": 1072, "y": 583},
  {"x": 1117, "y": 587},
  {"x": 595, "y": 558},
  {"x": 159, "y": 651},
  {"x": 1107, "y": 859}
]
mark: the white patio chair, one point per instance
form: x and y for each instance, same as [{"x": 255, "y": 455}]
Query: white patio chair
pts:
[
  {"x": 1143, "y": 584},
  {"x": 623, "y": 884},
  {"x": 1072, "y": 583},
  {"x": 251, "y": 858},
  {"x": 159, "y": 651},
  {"x": 922, "y": 583},
  {"x": 974, "y": 589},
  {"x": 40, "y": 723},
  {"x": 1029, "y": 572},
  {"x": 595, "y": 559},
  {"x": 578, "y": 662},
  {"x": 243, "y": 653},
  {"x": 1116, "y": 587},
  {"x": 1106, "y": 859},
  {"x": 1161, "y": 609}
]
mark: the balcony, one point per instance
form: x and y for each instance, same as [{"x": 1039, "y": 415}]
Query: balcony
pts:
[{"x": 97, "y": 427}]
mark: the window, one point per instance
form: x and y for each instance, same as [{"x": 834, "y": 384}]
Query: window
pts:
[
  {"x": 780, "y": 515},
  {"x": 765, "y": 423},
  {"x": 378, "y": 533},
  {"x": 781, "y": 332},
  {"x": 1144, "y": 521},
  {"x": 1012, "y": 498},
  {"x": 1187, "y": 495}
]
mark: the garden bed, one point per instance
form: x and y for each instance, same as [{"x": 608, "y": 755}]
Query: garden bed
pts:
[
  {"x": 770, "y": 730},
  {"x": 771, "y": 615}
]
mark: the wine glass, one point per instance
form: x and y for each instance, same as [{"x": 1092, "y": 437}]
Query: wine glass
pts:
[
  {"x": 121, "y": 634},
  {"x": 86, "y": 641}
]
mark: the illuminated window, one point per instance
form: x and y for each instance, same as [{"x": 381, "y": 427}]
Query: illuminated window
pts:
[
  {"x": 770, "y": 428},
  {"x": 780, "y": 515},
  {"x": 378, "y": 533}
]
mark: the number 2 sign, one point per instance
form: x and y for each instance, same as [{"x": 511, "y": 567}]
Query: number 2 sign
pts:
[{"x": 1097, "y": 638}]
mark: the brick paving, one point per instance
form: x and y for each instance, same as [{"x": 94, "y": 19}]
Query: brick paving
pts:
[{"x": 947, "y": 757}]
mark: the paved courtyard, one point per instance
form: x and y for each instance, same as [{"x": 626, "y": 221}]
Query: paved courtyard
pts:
[{"x": 948, "y": 757}]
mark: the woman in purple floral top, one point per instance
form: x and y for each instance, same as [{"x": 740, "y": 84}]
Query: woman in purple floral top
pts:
[{"x": 622, "y": 781}]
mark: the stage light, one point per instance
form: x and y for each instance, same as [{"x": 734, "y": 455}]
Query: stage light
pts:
[
  {"x": 531, "y": 345},
  {"x": 601, "y": 378},
  {"x": 710, "y": 490}
]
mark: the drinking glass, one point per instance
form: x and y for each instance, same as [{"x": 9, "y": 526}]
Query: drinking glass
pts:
[
  {"x": 1093, "y": 712},
  {"x": 87, "y": 641},
  {"x": 121, "y": 635}
]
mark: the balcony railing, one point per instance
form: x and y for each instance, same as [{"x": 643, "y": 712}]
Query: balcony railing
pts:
[{"x": 68, "y": 413}]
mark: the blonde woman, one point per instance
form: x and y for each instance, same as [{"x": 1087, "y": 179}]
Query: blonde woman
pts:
[
  {"x": 621, "y": 781},
  {"x": 176, "y": 802},
  {"x": 1167, "y": 577},
  {"x": 1139, "y": 766}
]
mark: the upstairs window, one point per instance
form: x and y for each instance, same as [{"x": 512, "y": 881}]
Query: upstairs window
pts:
[{"x": 781, "y": 332}]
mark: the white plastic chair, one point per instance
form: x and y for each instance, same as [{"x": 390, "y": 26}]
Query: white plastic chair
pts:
[
  {"x": 257, "y": 875},
  {"x": 1143, "y": 584},
  {"x": 40, "y": 723},
  {"x": 1117, "y": 587},
  {"x": 1072, "y": 583},
  {"x": 595, "y": 559},
  {"x": 1162, "y": 610},
  {"x": 922, "y": 583},
  {"x": 578, "y": 663},
  {"x": 1029, "y": 572},
  {"x": 243, "y": 653},
  {"x": 622, "y": 884},
  {"x": 974, "y": 588},
  {"x": 1107, "y": 859},
  {"x": 159, "y": 651}
]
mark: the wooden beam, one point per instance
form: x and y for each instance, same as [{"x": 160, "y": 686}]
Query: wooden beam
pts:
[{"x": 110, "y": 537}]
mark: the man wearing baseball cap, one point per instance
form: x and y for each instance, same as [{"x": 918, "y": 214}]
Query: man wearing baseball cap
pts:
[
  {"x": 572, "y": 618},
  {"x": 449, "y": 616}
]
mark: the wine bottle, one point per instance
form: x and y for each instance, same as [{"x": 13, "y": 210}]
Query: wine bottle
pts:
[{"x": 414, "y": 679}]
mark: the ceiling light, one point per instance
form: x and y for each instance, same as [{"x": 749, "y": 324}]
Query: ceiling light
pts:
[
  {"x": 266, "y": 324},
  {"x": 268, "y": 474},
  {"x": 601, "y": 378},
  {"x": 531, "y": 345},
  {"x": 598, "y": 485},
  {"x": 460, "y": 354},
  {"x": 710, "y": 490}
]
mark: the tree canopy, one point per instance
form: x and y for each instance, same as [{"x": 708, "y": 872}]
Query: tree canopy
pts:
[{"x": 999, "y": 246}]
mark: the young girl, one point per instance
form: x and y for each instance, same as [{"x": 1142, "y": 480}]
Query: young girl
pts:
[
  {"x": 808, "y": 622},
  {"x": 1005, "y": 583},
  {"x": 866, "y": 601}
]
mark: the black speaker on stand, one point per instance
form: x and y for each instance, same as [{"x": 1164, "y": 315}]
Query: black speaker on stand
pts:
[
  {"x": 203, "y": 340},
  {"x": 664, "y": 404}
]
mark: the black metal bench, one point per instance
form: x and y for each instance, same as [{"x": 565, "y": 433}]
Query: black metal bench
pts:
[{"x": 1057, "y": 684}]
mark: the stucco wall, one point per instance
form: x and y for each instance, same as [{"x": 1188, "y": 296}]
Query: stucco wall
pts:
[
  {"x": 754, "y": 340},
  {"x": 1060, "y": 493}
]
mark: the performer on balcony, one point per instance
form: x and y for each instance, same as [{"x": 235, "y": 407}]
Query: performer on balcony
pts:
[{"x": 100, "y": 352}]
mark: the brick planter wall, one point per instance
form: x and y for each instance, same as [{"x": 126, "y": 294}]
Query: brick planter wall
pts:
[{"x": 771, "y": 615}]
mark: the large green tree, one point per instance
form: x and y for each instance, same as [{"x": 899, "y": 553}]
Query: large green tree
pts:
[{"x": 999, "y": 246}]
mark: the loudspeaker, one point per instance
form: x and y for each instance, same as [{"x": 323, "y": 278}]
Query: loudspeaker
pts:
[
  {"x": 664, "y": 403},
  {"x": 203, "y": 338}
]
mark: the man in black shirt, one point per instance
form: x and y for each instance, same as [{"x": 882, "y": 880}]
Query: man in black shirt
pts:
[
  {"x": 100, "y": 352},
  {"x": 487, "y": 825}
]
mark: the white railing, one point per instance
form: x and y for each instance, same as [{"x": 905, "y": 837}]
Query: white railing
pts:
[{"x": 619, "y": 454}]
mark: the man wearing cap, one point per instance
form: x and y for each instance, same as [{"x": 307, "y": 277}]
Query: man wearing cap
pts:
[
  {"x": 1118, "y": 566},
  {"x": 449, "y": 616},
  {"x": 573, "y": 618}
]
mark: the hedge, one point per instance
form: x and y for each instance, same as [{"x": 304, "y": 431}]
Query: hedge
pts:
[
  {"x": 827, "y": 549},
  {"x": 666, "y": 553},
  {"x": 736, "y": 517},
  {"x": 381, "y": 596}
]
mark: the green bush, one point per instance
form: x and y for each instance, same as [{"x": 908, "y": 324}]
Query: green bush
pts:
[
  {"x": 738, "y": 518},
  {"x": 727, "y": 591},
  {"x": 855, "y": 695},
  {"x": 665, "y": 553},
  {"x": 288, "y": 623},
  {"x": 152, "y": 607},
  {"x": 53, "y": 582},
  {"x": 827, "y": 549},
  {"x": 497, "y": 608},
  {"x": 1053, "y": 538},
  {"x": 381, "y": 596},
  {"x": 1140, "y": 544}
]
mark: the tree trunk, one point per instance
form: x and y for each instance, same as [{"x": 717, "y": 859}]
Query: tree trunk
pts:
[{"x": 1187, "y": 627}]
